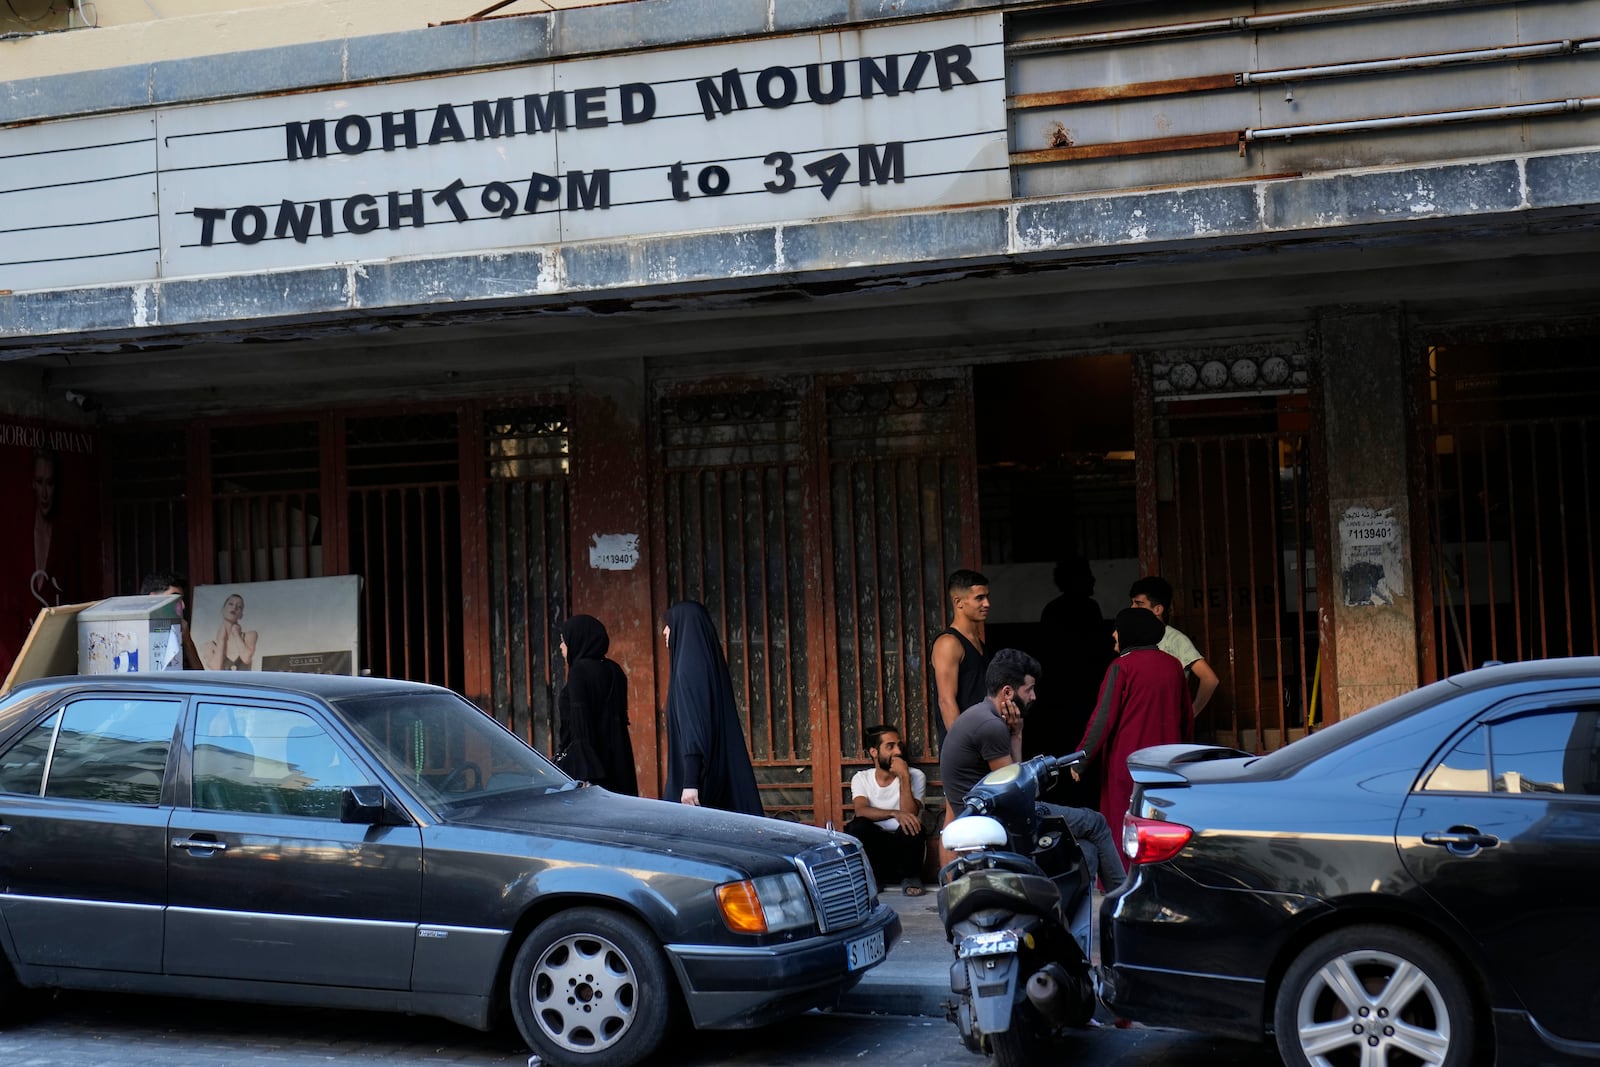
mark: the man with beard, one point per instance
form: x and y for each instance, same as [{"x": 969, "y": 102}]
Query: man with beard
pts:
[
  {"x": 988, "y": 736},
  {"x": 887, "y": 798}
]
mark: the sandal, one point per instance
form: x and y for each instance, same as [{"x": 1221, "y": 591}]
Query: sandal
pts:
[{"x": 911, "y": 887}]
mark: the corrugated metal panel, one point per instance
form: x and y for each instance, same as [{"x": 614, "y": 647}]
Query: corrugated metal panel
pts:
[{"x": 1175, "y": 108}]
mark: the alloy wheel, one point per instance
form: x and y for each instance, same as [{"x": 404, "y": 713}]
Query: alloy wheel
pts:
[
  {"x": 1367, "y": 1008},
  {"x": 584, "y": 993}
]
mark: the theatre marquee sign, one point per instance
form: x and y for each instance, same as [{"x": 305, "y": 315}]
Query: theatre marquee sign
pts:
[{"x": 748, "y": 133}]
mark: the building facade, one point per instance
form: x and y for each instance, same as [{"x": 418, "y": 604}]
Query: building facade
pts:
[{"x": 793, "y": 306}]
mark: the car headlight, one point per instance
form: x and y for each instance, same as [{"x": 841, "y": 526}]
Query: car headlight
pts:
[{"x": 765, "y": 905}]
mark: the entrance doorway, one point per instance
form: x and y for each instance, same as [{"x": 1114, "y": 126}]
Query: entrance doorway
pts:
[{"x": 1057, "y": 492}]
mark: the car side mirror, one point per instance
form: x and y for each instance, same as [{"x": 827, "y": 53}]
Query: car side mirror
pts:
[{"x": 366, "y": 804}]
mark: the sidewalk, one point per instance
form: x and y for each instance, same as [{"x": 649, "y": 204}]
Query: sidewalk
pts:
[{"x": 915, "y": 978}]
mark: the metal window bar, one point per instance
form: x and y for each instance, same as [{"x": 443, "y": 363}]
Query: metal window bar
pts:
[
  {"x": 526, "y": 511},
  {"x": 403, "y": 473},
  {"x": 1529, "y": 529},
  {"x": 1201, "y": 545}
]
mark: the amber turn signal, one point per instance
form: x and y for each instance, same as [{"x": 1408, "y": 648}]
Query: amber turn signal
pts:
[{"x": 741, "y": 908}]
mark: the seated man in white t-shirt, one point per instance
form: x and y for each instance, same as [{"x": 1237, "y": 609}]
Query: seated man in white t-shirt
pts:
[{"x": 887, "y": 798}]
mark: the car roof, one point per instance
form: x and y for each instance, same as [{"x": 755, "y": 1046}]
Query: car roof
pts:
[
  {"x": 322, "y": 686},
  {"x": 1508, "y": 678},
  {"x": 1537, "y": 670}
]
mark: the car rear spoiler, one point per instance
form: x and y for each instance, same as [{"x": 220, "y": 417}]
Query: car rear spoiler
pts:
[{"x": 1159, "y": 765}]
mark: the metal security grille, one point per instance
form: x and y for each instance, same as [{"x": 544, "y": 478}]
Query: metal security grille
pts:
[
  {"x": 1228, "y": 509},
  {"x": 267, "y": 506},
  {"x": 149, "y": 511},
  {"x": 404, "y": 520},
  {"x": 1511, "y": 445},
  {"x": 734, "y": 512},
  {"x": 526, "y": 520},
  {"x": 900, "y": 492}
]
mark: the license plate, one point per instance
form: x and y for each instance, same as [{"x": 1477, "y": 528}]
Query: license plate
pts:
[
  {"x": 864, "y": 951},
  {"x": 993, "y": 943}
]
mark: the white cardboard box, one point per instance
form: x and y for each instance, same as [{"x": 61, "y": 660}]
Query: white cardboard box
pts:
[{"x": 130, "y": 634}]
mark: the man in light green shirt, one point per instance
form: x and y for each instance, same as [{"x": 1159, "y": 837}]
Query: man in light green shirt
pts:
[{"x": 1154, "y": 593}]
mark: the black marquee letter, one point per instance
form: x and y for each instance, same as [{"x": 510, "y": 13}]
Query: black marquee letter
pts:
[
  {"x": 362, "y": 135},
  {"x": 256, "y": 228},
  {"x": 209, "y": 217},
  {"x": 638, "y": 103},
  {"x": 361, "y": 213},
  {"x": 786, "y": 81},
  {"x": 729, "y": 99},
  {"x": 309, "y": 141}
]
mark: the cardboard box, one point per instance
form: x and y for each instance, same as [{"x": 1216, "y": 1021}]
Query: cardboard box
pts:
[{"x": 131, "y": 634}]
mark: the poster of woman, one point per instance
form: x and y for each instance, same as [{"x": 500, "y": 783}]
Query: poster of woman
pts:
[
  {"x": 50, "y": 548},
  {"x": 309, "y": 625}
]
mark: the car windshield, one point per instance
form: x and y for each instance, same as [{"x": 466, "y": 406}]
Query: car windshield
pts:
[{"x": 446, "y": 750}]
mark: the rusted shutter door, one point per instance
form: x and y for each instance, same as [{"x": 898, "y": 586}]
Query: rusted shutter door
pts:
[
  {"x": 735, "y": 516},
  {"x": 525, "y": 489},
  {"x": 903, "y": 515}
]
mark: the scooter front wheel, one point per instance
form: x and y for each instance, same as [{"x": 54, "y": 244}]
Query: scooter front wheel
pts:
[{"x": 1025, "y": 1044}]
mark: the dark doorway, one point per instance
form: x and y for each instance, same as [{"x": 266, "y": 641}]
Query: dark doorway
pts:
[{"x": 1059, "y": 526}]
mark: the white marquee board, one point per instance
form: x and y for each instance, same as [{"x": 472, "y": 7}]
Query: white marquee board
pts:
[{"x": 728, "y": 135}]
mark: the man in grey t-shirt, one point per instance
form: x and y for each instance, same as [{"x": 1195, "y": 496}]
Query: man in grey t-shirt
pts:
[{"x": 988, "y": 736}]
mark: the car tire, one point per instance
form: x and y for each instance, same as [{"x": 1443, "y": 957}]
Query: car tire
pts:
[
  {"x": 1374, "y": 994},
  {"x": 590, "y": 988}
]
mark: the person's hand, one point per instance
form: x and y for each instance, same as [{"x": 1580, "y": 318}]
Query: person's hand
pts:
[
  {"x": 1010, "y": 713},
  {"x": 899, "y": 768},
  {"x": 690, "y": 797},
  {"x": 909, "y": 824},
  {"x": 1076, "y": 777}
]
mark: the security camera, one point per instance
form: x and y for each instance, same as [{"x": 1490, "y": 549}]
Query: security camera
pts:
[{"x": 77, "y": 398}]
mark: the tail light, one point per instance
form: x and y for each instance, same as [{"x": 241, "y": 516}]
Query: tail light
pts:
[{"x": 1151, "y": 840}]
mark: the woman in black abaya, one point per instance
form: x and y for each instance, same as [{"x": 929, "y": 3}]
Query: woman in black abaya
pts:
[
  {"x": 707, "y": 763},
  {"x": 593, "y": 743}
]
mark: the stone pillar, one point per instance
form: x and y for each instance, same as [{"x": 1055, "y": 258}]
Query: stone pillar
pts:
[
  {"x": 1367, "y": 445},
  {"x": 610, "y": 510}
]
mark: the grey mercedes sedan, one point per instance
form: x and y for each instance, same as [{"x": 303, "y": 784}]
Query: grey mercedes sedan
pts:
[{"x": 332, "y": 841}]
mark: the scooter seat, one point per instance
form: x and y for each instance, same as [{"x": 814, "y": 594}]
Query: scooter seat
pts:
[{"x": 1001, "y": 889}]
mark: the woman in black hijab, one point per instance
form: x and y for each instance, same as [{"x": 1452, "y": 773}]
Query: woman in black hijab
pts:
[
  {"x": 594, "y": 746},
  {"x": 707, "y": 763}
]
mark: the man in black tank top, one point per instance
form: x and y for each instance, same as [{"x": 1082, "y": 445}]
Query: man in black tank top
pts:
[{"x": 959, "y": 657}]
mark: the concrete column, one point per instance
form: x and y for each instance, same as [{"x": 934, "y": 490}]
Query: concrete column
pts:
[
  {"x": 1367, "y": 444},
  {"x": 609, "y": 500}
]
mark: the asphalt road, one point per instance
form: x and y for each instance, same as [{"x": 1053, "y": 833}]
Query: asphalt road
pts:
[{"x": 84, "y": 1030}]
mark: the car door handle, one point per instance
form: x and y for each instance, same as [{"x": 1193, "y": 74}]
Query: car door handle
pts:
[
  {"x": 1462, "y": 839},
  {"x": 197, "y": 844}
]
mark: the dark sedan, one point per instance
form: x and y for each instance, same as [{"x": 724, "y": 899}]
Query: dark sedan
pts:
[
  {"x": 1414, "y": 885},
  {"x": 386, "y": 845}
]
